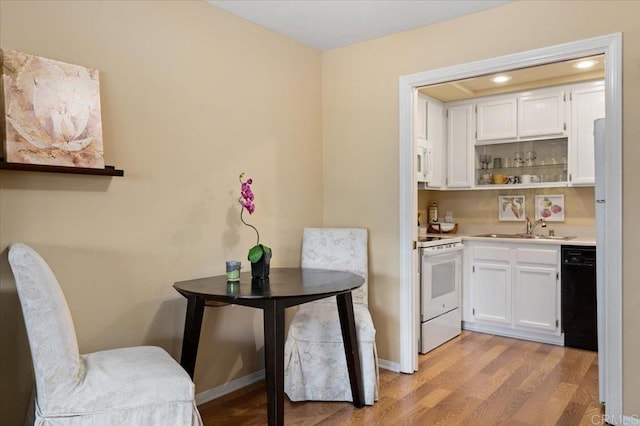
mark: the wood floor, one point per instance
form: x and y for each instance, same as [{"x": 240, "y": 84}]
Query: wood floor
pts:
[{"x": 475, "y": 379}]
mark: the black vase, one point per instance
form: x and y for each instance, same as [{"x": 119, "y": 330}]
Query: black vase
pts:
[
  {"x": 260, "y": 287},
  {"x": 260, "y": 269}
]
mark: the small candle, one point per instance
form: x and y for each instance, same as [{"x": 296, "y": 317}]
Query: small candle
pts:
[{"x": 233, "y": 270}]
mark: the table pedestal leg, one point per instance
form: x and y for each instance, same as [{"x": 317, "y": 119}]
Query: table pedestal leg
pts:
[
  {"x": 192, "y": 326},
  {"x": 274, "y": 360},
  {"x": 348, "y": 326}
]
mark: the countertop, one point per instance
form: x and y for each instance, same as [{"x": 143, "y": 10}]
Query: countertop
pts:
[{"x": 581, "y": 241}]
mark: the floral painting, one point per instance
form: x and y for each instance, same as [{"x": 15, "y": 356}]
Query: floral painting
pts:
[
  {"x": 550, "y": 208},
  {"x": 511, "y": 208},
  {"x": 51, "y": 112}
]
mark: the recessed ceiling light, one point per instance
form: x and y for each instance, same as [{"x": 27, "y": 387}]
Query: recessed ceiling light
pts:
[
  {"x": 501, "y": 79},
  {"x": 583, "y": 65}
]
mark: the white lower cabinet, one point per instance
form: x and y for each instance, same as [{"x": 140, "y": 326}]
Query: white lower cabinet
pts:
[
  {"x": 492, "y": 301},
  {"x": 535, "y": 297},
  {"x": 513, "y": 290}
]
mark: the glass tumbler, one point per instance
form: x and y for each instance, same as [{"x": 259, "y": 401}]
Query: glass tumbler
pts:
[
  {"x": 518, "y": 159},
  {"x": 530, "y": 158}
]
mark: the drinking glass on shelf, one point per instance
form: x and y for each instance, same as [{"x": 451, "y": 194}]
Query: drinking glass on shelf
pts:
[
  {"x": 485, "y": 159},
  {"x": 530, "y": 158},
  {"x": 482, "y": 158},
  {"x": 518, "y": 159}
]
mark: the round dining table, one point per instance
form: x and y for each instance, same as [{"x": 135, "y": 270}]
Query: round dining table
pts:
[{"x": 285, "y": 287}]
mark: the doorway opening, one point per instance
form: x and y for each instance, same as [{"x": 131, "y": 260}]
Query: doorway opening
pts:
[{"x": 608, "y": 192}]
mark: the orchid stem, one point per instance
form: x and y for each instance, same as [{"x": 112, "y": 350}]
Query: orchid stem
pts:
[{"x": 248, "y": 224}]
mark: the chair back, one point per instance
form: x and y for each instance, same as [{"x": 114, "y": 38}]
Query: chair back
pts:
[
  {"x": 52, "y": 338},
  {"x": 341, "y": 249}
]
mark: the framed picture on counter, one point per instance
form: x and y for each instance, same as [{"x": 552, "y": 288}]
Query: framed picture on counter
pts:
[
  {"x": 511, "y": 208},
  {"x": 550, "y": 208}
]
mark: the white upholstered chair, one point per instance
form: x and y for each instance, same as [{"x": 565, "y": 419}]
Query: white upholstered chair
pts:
[
  {"x": 315, "y": 364},
  {"x": 129, "y": 386}
]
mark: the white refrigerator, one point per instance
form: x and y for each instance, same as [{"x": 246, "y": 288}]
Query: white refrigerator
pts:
[{"x": 600, "y": 154}]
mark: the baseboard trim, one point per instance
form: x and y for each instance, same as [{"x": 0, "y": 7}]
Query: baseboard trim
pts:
[
  {"x": 514, "y": 333},
  {"x": 631, "y": 420},
  {"x": 234, "y": 385},
  {"x": 388, "y": 365}
]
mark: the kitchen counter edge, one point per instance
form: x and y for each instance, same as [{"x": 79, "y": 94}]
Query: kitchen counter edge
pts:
[{"x": 572, "y": 242}]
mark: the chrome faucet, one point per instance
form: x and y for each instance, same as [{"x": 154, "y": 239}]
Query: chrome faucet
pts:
[{"x": 532, "y": 226}]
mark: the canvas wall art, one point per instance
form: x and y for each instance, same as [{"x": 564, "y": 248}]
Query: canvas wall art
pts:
[
  {"x": 51, "y": 112},
  {"x": 511, "y": 208},
  {"x": 550, "y": 207}
]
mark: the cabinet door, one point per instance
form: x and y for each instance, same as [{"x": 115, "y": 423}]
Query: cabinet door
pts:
[
  {"x": 541, "y": 115},
  {"x": 460, "y": 146},
  {"x": 496, "y": 119},
  {"x": 435, "y": 143},
  {"x": 587, "y": 105},
  {"x": 535, "y": 299},
  {"x": 420, "y": 118},
  {"x": 492, "y": 292},
  {"x": 421, "y": 160}
]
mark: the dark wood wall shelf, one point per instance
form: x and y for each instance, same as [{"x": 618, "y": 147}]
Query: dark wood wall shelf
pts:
[{"x": 107, "y": 171}]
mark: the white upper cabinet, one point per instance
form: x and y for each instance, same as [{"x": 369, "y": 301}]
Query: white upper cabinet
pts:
[
  {"x": 435, "y": 143},
  {"x": 542, "y": 114},
  {"x": 587, "y": 105},
  {"x": 420, "y": 117},
  {"x": 429, "y": 136},
  {"x": 544, "y": 133},
  {"x": 497, "y": 119},
  {"x": 420, "y": 138},
  {"x": 460, "y": 132},
  {"x": 421, "y": 160}
]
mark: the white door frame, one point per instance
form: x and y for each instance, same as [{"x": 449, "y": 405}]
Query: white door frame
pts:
[{"x": 610, "y": 357}]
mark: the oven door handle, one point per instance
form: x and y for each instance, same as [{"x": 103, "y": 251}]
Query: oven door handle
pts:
[{"x": 431, "y": 253}]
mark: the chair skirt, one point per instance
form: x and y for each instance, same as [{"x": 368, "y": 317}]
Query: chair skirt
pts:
[{"x": 315, "y": 363}]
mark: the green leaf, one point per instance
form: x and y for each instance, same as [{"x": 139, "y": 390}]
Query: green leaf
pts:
[{"x": 255, "y": 253}]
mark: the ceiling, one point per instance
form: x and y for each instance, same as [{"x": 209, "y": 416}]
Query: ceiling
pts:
[
  {"x": 329, "y": 24},
  {"x": 521, "y": 79}
]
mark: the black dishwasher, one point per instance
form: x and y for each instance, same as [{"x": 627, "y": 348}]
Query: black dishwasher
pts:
[{"x": 579, "y": 311}]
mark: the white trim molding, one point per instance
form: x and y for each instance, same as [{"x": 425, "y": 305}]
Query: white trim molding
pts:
[
  {"x": 514, "y": 333},
  {"x": 389, "y": 365},
  {"x": 611, "y": 244},
  {"x": 234, "y": 385}
]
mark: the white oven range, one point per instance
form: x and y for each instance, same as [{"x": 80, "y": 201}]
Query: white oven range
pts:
[{"x": 440, "y": 280}]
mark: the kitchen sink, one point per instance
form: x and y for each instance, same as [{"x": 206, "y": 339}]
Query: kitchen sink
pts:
[{"x": 525, "y": 236}]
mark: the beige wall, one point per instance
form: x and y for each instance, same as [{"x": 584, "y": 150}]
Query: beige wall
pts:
[
  {"x": 191, "y": 97},
  {"x": 360, "y": 133}
]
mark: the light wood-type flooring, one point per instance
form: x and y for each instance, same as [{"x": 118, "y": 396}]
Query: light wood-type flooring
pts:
[{"x": 475, "y": 379}]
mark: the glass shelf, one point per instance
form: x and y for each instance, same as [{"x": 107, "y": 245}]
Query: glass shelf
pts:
[
  {"x": 548, "y": 159},
  {"x": 522, "y": 169},
  {"x": 558, "y": 184}
]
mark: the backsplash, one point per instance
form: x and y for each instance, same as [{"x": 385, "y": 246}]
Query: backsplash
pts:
[{"x": 477, "y": 211}]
